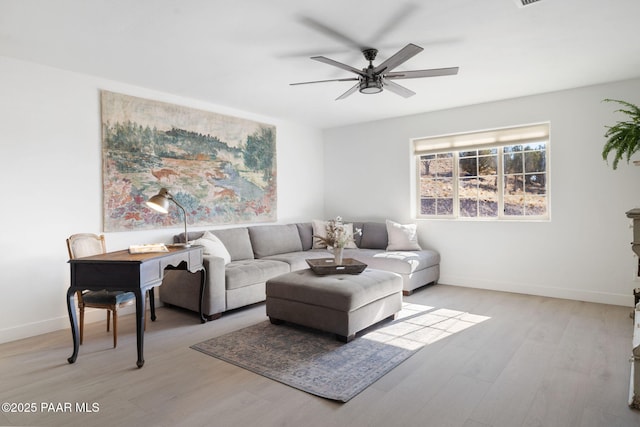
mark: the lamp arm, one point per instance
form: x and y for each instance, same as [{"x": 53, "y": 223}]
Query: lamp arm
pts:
[{"x": 184, "y": 215}]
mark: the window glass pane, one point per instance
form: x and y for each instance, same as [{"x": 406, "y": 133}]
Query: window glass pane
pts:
[
  {"x": 535, "y": 184},
  {"x": 445, "y": 207},
  {"x": 513, "y": 185},
  {"x": 468, "y": 197},
  {"x": 536, "y": 205},
  {"x": 427, "y": 166},
  {"x": 443, "y": 166},
  {"x": 488, "y": 165},
  {"x": 469, "y": 208},
  {"x": 535, "y": 161},
  {"x": 468, "y": 167},
  {"x": 488, "y": 151},
  {"x": 513, "y": 148},
  {"x": 488, "y": 196},
  {"x": 472, "y": 153},
  {"x": 534, "y": 146},
  {"x": 427, "y": 206},
  {"x": 427, "y": 188},
  {"x": 488, "y": 208},
  {"x": 444, "y": 187},
  {"x": 513, "y": 163},
  {"x": 514, "y": 205}
]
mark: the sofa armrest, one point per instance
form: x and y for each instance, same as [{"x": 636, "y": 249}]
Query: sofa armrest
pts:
[
  {"x": 215, "y": 290},
  {"x": 182, "y": 289}
]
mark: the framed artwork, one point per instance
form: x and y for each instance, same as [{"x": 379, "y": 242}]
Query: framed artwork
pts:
[{"x": 221, "y": 169}]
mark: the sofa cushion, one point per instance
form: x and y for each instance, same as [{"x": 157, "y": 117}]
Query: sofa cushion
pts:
[
  {"x": 402, "y": 237},
  {"x": 401, "y": 262},
  {"x": 274, "y": 239},
  {"x": 237, "y": 242},
  {"x": 239, "y": 274},
  {"x": 374, "y": 235},
  {"x": 298, "y": 260},
  {"x": 305, "y": 230}
]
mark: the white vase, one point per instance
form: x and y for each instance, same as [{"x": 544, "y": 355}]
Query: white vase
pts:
[{"x": 337, "y": 255}]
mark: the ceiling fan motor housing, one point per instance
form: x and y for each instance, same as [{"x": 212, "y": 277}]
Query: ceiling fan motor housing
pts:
[{"x": 370, "y": 82}]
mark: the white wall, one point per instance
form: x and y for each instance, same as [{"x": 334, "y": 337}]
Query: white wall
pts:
[
  {"x": 50, "y": 169},
  {"x": 582, "y": 253}
]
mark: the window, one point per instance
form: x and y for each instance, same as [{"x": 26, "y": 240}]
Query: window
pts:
[{"x": 497, "y": 174}]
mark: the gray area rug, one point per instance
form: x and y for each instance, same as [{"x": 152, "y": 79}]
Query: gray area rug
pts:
[{"x": 318, "y": 363}]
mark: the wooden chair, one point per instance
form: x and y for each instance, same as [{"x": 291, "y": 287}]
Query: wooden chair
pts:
[{"x": 87, "y": 244}]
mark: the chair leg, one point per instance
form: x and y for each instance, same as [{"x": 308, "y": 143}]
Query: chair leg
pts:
[
  {"x": 115, "y": 328},
  {"x": 81, "y": 324},
  {"x": 108, "y": 319}
]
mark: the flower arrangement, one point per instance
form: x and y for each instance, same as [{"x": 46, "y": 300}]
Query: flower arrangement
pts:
[{"x": 338, "y": 234}]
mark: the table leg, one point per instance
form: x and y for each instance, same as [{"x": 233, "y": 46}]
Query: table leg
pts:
[
  {"x": 140, "y": 312},
  {"x": 152, "y": 304},
  {"x": 74, "y": 324}
]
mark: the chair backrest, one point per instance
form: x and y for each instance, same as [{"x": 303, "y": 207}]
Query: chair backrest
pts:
[{"x": 85, "y": 244}]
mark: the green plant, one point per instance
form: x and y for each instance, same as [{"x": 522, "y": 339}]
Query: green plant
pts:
[{"x": 624, "y": 137}]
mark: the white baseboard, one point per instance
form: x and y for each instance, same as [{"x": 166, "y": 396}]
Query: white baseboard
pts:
[
  {"x": 540, "y": 290},
  {"x": 59, "y": 323}
]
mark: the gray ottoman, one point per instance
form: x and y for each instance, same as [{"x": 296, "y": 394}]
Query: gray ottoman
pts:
[{"x": 339, "y": 303}]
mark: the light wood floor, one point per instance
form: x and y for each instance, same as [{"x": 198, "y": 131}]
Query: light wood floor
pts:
[{"x": 536, "y": 362}]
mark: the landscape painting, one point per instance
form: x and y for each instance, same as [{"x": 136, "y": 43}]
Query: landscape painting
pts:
[{"x": 221, "y": 169}]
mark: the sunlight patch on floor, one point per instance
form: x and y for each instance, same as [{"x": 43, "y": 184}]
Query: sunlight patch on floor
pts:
[{"x": 419, "y": 325}]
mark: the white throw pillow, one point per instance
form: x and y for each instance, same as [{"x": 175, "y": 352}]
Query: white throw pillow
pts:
[
  {"x": 349, "y": 229},
  {"x": 402, "y": 237},
  {"x": 213, "y": 246},
  {"x": 319, "y": 229}
]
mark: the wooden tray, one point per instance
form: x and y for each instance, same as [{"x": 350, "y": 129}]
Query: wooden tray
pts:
[{"x": 324, "y": 266}]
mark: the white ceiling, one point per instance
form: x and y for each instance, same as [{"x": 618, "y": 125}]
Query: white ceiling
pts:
[{"x": 244, "y": 53}]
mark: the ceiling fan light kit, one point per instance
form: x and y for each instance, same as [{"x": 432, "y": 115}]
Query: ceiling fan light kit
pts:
[
  {"x": 373, "y": 85},
  {"x": 374, "y": 79}
]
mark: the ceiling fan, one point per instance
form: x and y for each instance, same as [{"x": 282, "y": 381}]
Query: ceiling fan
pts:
[{"x": 373, "y": 79}]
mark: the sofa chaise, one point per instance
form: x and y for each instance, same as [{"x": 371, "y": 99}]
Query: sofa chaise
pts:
[{"x": 252, "y": 255}]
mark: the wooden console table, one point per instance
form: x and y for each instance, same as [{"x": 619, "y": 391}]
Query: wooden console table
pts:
[{"x": 137, "y": 273}]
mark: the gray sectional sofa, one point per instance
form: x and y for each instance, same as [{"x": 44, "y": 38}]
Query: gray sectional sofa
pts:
[{"x": 259, "y": 253}]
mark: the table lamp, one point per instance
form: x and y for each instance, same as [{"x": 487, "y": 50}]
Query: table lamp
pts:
[{"x": 160, "y": 203}]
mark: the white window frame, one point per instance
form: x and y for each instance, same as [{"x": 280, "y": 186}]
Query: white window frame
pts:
[{"x": 494, "y": 138}]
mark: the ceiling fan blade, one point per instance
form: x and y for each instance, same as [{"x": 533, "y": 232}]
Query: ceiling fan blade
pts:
[
  {"x": 349, "y": 92},
  {"x": 328, "y": 31},
  {"x": 434, "y": 72},
  {"x": 404, "y": 54},
  {"x": 393, "y": 22},
  {"x": 397, "y": 89},
  {"x": 324, "y": 81},
  {"x": 338, "y": 64}
]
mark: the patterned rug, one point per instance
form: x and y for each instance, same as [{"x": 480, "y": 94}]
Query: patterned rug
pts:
[{"x": 318, "y": 363}]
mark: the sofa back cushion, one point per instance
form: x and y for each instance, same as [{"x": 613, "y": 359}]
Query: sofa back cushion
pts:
[
  {"x": 305, "y": 230},
  {"x": 274, "y": 239},
  {"x": 374, "y": 235},
  {"x": 237, "y": 242}
]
